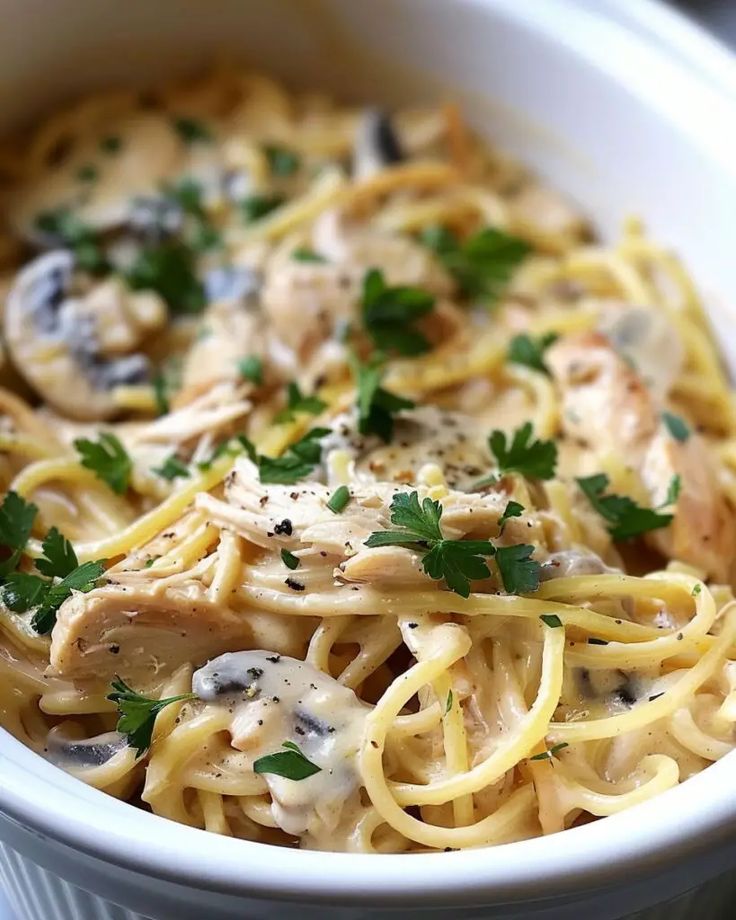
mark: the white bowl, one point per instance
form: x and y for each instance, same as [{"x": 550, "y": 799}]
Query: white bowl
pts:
[{"x": 622, "y": 104}]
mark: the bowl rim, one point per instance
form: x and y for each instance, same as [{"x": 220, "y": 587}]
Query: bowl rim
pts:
[{"x": 655, "y": 836}]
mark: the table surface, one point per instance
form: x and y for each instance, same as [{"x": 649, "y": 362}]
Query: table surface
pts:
[{"x": 720, "y": 15}]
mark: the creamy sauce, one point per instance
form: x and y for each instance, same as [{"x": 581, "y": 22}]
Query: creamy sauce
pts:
[{"x": 274, "y": 699}]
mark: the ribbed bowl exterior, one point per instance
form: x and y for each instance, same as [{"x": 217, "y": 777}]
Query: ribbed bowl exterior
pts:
[{"x": 37, "y": 894}]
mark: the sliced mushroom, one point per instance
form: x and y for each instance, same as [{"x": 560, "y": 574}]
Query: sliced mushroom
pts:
[
  {"x": 75, "y": 349},
  {"x": 139, "y": 632},
  {"x": 376, "y": 144}
]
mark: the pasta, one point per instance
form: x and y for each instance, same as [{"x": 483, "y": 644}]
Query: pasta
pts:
[{"x": 356, "y": 497}]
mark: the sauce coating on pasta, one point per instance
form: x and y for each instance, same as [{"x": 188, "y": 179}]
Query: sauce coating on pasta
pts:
[{"x": 355, "y": 497}]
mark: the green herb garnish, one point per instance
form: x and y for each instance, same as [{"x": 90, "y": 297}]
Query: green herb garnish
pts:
[
  {"x": 296, "y": 401},
  {"x": 289, "y": 559},
  {"x": 551, "y": 619},
  {"x": 169, "y": 269},
  {"x": 339, "y": 499},
  {"x": 513, "y": 509},
  {"x": 448, "y": 703},
  {"x": 291, "y": 763},
  {"x": 251, "y": 369},
  {"x": 534, "y": 459},
  {"x": 256, "y": 206},
  {"x": 160, "y": 394},
  {"x": 457, "y": 561},
  {"x": 390, "y": 313},
  {"x": 110, "y": 144},
  {"x": 482, "y": 264},
  {"x": 87, "y": 173},
  {"x": 295, "y": 463},
  {"x": 529, "y": 351},
  {"x": 625, "y": 518},
  {"x": 376, "y": 406},
  {"x": 71, "y": 232},
  {"x": 548, "y": 755},
  {"x": 281, "y": 161},
  {"x": 677, "y": 426},
  {"x": 305, "y": 254},
  {"x": 108, "y": 460},
  {"x": 16, "y": 522},
  {"x": 138, "y": 713},
  {"x": 191, "y": 130},
  {"x": 171, "y": 468}
]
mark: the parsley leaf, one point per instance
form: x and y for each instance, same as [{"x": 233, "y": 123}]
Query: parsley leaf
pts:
[
  {"x": 389, "y": 314},
  {"x": 625, "y": 518},
  {"x": 339, "y": 499},
  {"x": 111, "y": 144},
  {"x": 65, "y": 228},
  {"x": 83, "y": 579},
  {"x": 551, "y": 620},
  {"x": 376, "y": 406},
  {"x": 168, "y": 268},
  {"x": 87, "y": 173},
  {"x": 534, "y": 459},
  {"x": 21, "y": 591},
  {"x": 191, "y": 130},
  {"x": 523, "y": 349},
  {"x": 59, "y": 558},
  {"x": 448, "y": 702},
  {"x": 296, "y": 401},
  {"x": 481, "y": 264},
  {"x": 138, "y": 713},
  {"x": 548, "y": 755},
  {"x": 289, "y": 559},
  {"x": 513, "y": 509},
  {"x": 305, "y": 254},
  {"x": 457, "y": 561},
  {"x": 251, "y": 368},
  {"x": 291, "y": 763},
  {"x": 256, "y": 206},
  {"x": 108, "y": 460},
  {"x": 295, "y": 463},
  {"x": 171, "y": 468},
  {"x": 519, "y": 572},
  {"x": 281, "y": 161},
  {"x": 677, "y": 426},
  {"x": 16, "y": 522}
]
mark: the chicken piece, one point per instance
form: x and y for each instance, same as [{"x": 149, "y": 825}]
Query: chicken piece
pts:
[
  {"x": 297, "y": 518},
  {"x": 305, "y": 302},
  {"x": 605, "y": 403},
  {"x": 75, "y": 349},
  {"x": 703, "y": 531},
  {"x": 139, "y": 632}
]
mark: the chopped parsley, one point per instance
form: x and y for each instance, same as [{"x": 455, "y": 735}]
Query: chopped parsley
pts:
[
  {"x": 68, "y": 230},
  {"x": 549, "y": 754},
  {"x": 87, "y": 173},
  {"x": 289, "y": 559},
  {"x": 696, "y": 590},
  {"x": 390, "y": 313},
  {"x": 339, "y": 499},
  {"x": 191, "y": 130},
  {"x": 296, "y": 401},
  {"x": 551, "y": 619},
  {"x": 626, "y": 519},
  {"x": 111, "y": 144},
  {"x": 138, "y": 713},
  {"x": 171, "y": 468},
  {"x": 251, "y": 369},
  {"x": 448, "y": 703},
  {"x": 160, "y": 396},
  {"x": 59, "y": 558},
  {"x": 291, "y": 763},
  {"x": 281, "y": 161},
  {"x": 534, "y": 459},
  {"x": 108, "y": 460},
  {"x": 677, "y": 426},
  {"x": 168, "y": 268},
  {"x": 529, "y": 351},
  {"x": 16, "y": 523},
  {"x": 256, "y": 206},
  {"x": 297, "y": 461},
  {"x": 513, "y": 509},
  {"x": 305, "y": 254},
  {"x": 376, "y": 406},
  {"x": 482, "y": 264},
  {"x": 458, "y": 562}
]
